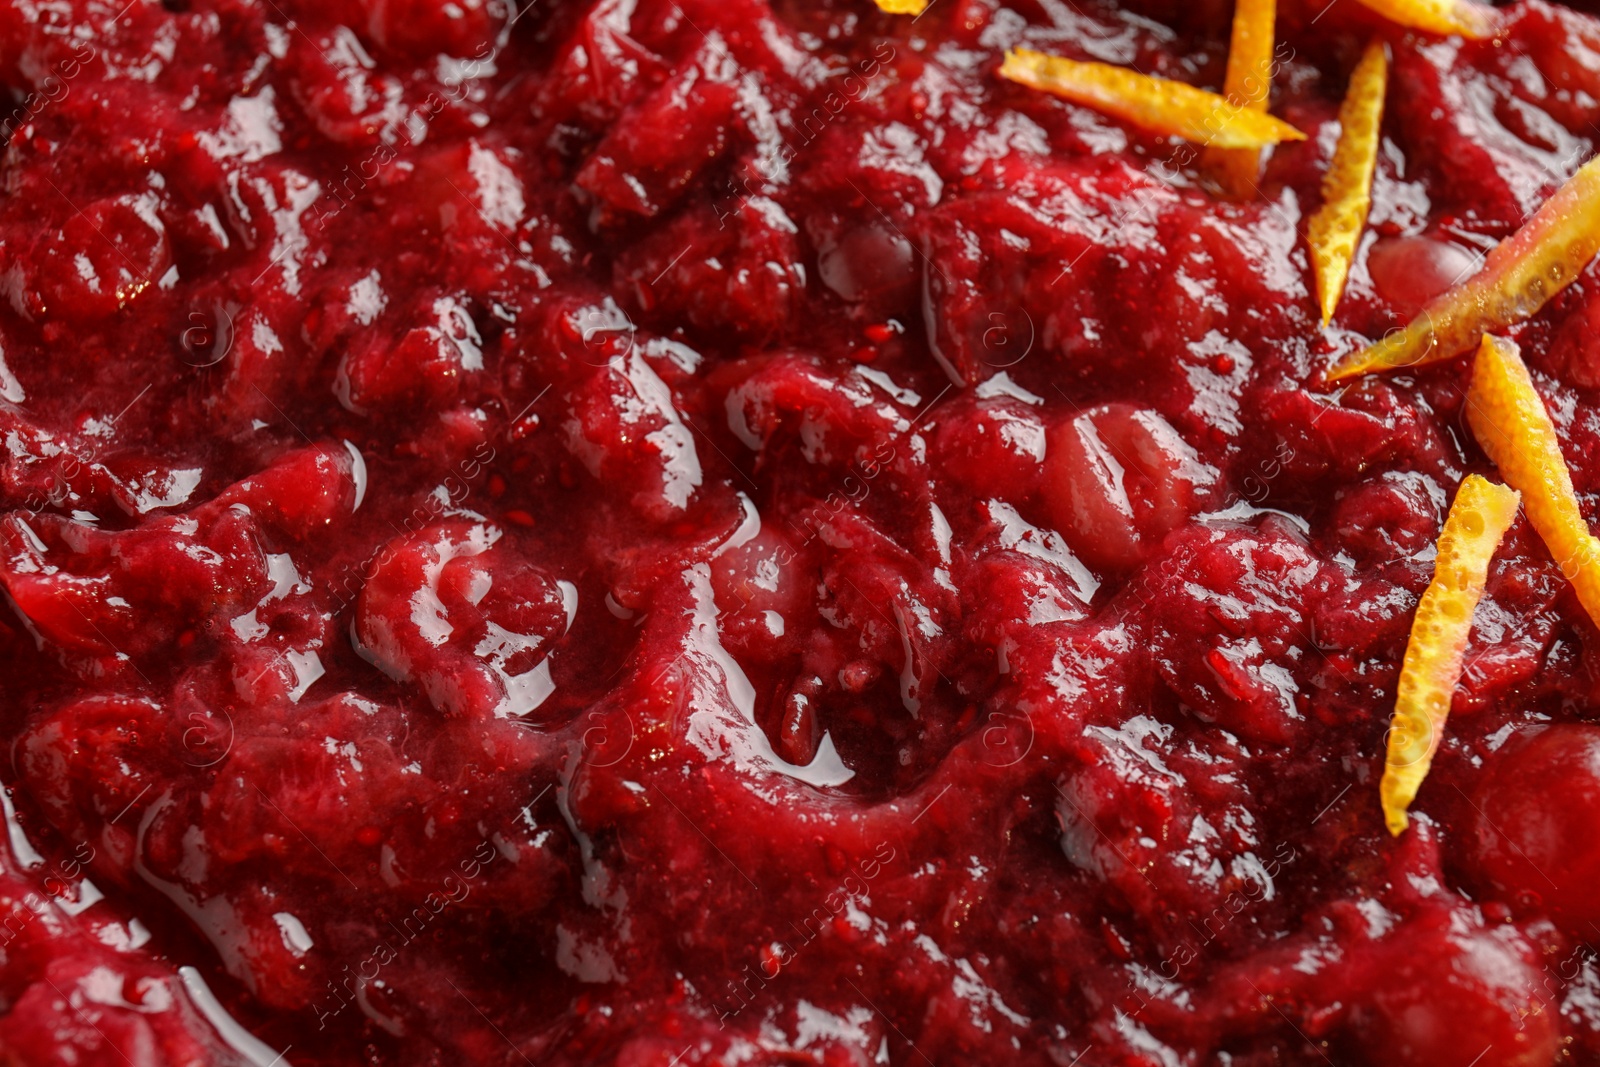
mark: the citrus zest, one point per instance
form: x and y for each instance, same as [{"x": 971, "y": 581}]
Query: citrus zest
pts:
[
  {"x": 1478, "y": 519},
  {"x": 1158, "y": 105},
  {"x": 1443, "y": 17},
  {"x": 902, "y": 7},
  {"x": 1347, "y": 186},
  {"x": 1513, "y": 427},
  {"x": 1519, "y": 275},
  {"x": 1248, "y": 83}
]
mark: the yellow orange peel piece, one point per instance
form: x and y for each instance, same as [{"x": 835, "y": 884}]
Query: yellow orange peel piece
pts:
[
  {"x": 1519, "y": 275},
  {"x": 903, "y": 7},
  {"x": 1478, "y": 519},
  {"x": 1248, "y": 83},
  {"x": 1445, "y": 17},
  {"x": 1347, "y": 187},
  {"x": 1511, "y": 424},
  {"x": 1158, "y": 105}
]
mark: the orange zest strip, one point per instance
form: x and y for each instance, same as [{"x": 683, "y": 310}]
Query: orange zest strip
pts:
[
  {"x": 1347, "y": 187},
  {"x": 1443, "y": 17},
  {"x": 1511, "y": 423},
  {"x": 1158, "y": 105},
  {"x": 1519, "y": 275},
  {"x": 1247, "y": 83},
  {"x": 903, "y": 7},
  {"x": 1478, "y": 519}
]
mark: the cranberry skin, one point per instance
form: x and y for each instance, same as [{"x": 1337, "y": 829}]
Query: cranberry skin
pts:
[
  {"x": 863, "y": 262},
  {"x": 1230, "y": 607},
  {"x": 1117, "y": 479},
  {"x": 1455, "y": 996},
  {"x": 1391, "y": 517},
  {"x": 762, "y": 592},
  {"x": 993, "y": 448},
  {"x": 426, "y": 27},
  {"x": 625, "y": 428},
  {"x": 428, "y": 365},
  {"x": 660, "y": 145},
  {"x": 1535, "y": 813},
  {"x": 103, "y": 258},
  {"x": 1410, "y": 271}
]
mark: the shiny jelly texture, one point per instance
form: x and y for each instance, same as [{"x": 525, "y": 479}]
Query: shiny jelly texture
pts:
[{"x": 720, "y": 532}]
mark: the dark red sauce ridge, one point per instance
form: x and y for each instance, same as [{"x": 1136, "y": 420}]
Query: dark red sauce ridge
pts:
[{"x": 719, "y": 532}]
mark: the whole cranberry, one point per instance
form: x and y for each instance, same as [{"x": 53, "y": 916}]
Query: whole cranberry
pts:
[
  {"x": 1117, "y": 479},
  {"x": 1534, "y": 819},
  {"x": 1454, "y": 994},
  {"x": 1410, "y": 271},
  {"x": 426, "y": 27}
]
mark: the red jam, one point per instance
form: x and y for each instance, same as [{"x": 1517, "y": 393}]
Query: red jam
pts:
[{"x": 719, "y": 532}]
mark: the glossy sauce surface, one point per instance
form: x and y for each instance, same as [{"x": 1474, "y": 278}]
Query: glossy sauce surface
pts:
[{"x": 717, "y": 532}]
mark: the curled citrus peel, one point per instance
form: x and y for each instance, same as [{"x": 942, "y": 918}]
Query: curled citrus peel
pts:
[
  {"x": 1347, "y": 187},
  {"x": 1155, "y": 104},
  {"x": 1519, "y": 275},
  {"x": 1511, "y": 423},
  {"x": 1445, "y": 17},
  {"x": 902, "y": 7},
  {"x": 1247, "y": 83},
  {"x": 1478, "y": 519}
]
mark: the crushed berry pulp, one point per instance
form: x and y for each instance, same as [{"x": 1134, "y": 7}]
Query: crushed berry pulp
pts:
[{"x": 688, "y": 532}]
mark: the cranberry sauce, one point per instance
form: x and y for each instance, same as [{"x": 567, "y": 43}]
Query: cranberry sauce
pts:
[{"x": 719, "y": 532}]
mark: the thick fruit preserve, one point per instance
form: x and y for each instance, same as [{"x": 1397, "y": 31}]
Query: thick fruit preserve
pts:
[{"x": 678, "y": 532}]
